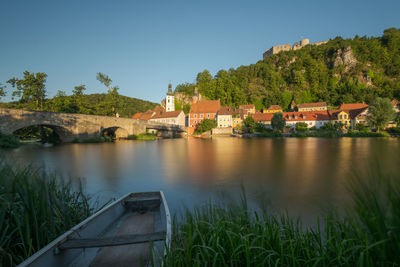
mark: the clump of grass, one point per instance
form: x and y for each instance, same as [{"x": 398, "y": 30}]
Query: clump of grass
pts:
[
  {"x": 97, "y": 139},
  {"x": 35, "y": 208},
  {"x": 143, "y": 136},
  {"x": 9, "y": 141},
  {"x": 233, "y": 235}
]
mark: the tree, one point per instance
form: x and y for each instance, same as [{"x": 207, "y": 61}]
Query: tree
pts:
[
  {"x": 250, "y": 124},
  {"x": 79, "y": 89},
  {"x": 31, "y": 88},
  {"x": 278, "y": 122},
  {"x": 112, "y": 95},
  {"x": 2, "y": 90},
  {"x": 301, "y": 126},
  {"x": 62, "y": 103},
  {"x": 206, "y": 125},
  {"x": 380, "y": 112}
]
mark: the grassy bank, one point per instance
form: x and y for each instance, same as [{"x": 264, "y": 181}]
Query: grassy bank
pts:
[
  {"x": 35, "y": 208},
  {"x": 143, "y": 136},
  {"x": 218, "y": 235},
  {"x": 9, "y": 141}
]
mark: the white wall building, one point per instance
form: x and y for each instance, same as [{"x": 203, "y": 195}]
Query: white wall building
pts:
[
  {"x": 172, "y": 117},
  {"x": 170, "y": 99},
  {"x": 224, "y": 117}
]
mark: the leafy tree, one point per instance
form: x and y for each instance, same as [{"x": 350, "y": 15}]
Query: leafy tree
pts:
[
  {"x": 112, "y": 94},
  {"x": 380, "y": 112},
  {"x": 79, "y": 89},
  {"x": 250, "y": 124},
  {"x": 206, "y": 125},
  {"x": 31, "y": 88},
  {"x": 186, "y": 88},
  {"x": 2, "y": 90},
  {"x": 62, "y": 103},
  {"x": 278, "y": 122}
]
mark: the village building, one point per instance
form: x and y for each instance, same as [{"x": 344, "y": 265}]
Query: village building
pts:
[
  {"x": 224, "y": 117},
  {"x": 319, "y": 106},
  {"x": 176, "y": 117},
  {"x": 263, "y": 118},
  {"x": 248, "y": 109},
  {"x": 200, "y": 110},
  {"x": 312, "y": 118},
  {"x": 273, "y": 109}
]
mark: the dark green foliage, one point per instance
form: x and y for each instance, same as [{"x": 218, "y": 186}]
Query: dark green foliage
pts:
[
  {"x": 380, "y": 112},
  {"x": 278, "y": 122},
  {"x": 309, "y": 75},
  {"x": 206, "y": 125},
  {"x": 351, "y": 133},
  {"x": 301, "y": 126},
  {"x": 2, "y": 90},
  {"x": 395, "y": 130},
  {"x": 9, "y": 141},
  {"x": 362, "y": 128},
  {"x": 186, "y": 88},
  {"x": 250, "y": 124},
  {"x": 98, "y": 139},
  {"x": 94, "y": 104},
  {"x": 35, "y": 208}
]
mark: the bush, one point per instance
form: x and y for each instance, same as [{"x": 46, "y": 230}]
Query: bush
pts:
[
  {"x": 351, "y": 133},
  {"x": 143, "y": 136},
  {"x": 97, "y": 139},
  {"x": 362, "y": 128},
  {"x": 269, "y": 133},
  {"x": 9, "y": 141},
  {"x": 395, "y": 130},
  {"x": 301, "y": 126},
  {"x": 206, "y": 125}
]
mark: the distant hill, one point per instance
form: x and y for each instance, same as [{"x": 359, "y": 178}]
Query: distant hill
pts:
[
  {"x": 95, "y": 104},
  {"x": 340, "y": 71}
]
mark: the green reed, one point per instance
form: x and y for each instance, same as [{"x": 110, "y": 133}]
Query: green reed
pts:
[
  {"x": 35, "y": 208},
  {"x": 234, "y": 235}
]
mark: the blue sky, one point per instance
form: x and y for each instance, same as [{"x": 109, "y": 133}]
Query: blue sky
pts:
[{"x": 142, "y": 45}]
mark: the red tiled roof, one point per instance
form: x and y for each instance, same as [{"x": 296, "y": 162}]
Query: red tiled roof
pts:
[
  {"x": 395, "y": 102},
  {"x": 250, "y": 106},
  {"x": 353, "y": 106},
  {"x": 311, "y": 105},
  {"x": 274, "y": 107},
  {"x": 225, "y": 111},
  {"x": 351, "y": 112},
  {"x": 306, "y": 116},
  {"x": 137, "y": 115},
  {"x": 262, "y": 116},
  {"x": 159, "y": 110},
  {"x": 205, "y": 106},
  {"x": 169, "y": 114}
]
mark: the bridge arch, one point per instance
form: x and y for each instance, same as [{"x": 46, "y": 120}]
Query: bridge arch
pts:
[
  {"x": 115, "y": 132},
  {"x": 59, "y": 133}
]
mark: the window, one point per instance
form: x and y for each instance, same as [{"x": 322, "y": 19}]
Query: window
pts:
[
  {"x": 290, "y": 117},
  {"x": 304, "y": 116},
  {"x": 201, "y": 115},
  {"x": 345, "y": 116},
  {"x": 340, "y": 117},
  {"x": 208, "y": 115},
  {"x": 168, "y": 100},
  {"x": 195, "y": 116},
  {"x": 295, "y": 117}
]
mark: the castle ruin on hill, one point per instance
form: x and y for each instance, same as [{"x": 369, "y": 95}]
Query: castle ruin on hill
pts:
[{"x": 286, "y": 47}]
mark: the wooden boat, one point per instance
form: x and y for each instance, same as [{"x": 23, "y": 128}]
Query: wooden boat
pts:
[{"x": 118, "y": 235}]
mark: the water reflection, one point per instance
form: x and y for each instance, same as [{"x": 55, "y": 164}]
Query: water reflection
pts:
[{"x": 301, "y": 175}]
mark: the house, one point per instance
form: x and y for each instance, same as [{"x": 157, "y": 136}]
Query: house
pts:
[
  {"x": 319, "y": 106},
  {"x": 200, "y": 110},
  {"x": 312, "y": 118},
  {"x": 224, "y": 117},
  {"x": 357, "y": 111},
  {"x": 263, "y": 118},
  {"x": 170, "y": 117},
  {"x": 273, "y": 109},
  {"x": 248, "y": 109},
  {"x": 144, "y": 116}
]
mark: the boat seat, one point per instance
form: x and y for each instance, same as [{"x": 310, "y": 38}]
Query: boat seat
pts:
[
  {"x": 142, "y": 204},
  {"x": 112, "y": 241}
]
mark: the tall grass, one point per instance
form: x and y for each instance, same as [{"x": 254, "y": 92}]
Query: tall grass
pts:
[
  {"x": 35, "y": 208},
  {"x": 234, "y": 235}
]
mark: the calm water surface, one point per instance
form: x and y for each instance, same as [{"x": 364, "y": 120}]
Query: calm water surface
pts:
[{"x": 304, "y": 176}]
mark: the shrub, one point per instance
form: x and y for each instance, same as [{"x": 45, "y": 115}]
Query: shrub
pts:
[
  {"x": 301, "y": 126},
  {"x": 206, "y": 125},
  {"x": 9, "y": 141}
]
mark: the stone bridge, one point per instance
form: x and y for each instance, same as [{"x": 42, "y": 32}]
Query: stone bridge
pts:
[{"x": 71, "y": 127}]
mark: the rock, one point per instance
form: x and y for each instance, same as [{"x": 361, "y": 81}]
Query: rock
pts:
[{"x": 345, "y": 57}]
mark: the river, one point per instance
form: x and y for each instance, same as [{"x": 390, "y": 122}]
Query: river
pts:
[{"x": 304, "y": 176}]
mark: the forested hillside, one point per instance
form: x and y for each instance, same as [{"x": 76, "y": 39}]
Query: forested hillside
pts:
[
  {"x": 342, "y": 70},
  {"x": 95, "y": 104}
]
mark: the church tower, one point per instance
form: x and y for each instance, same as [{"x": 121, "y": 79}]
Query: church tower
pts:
[{"x": 169, "y": 100}]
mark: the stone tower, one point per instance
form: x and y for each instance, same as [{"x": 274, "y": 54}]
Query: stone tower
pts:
[{"x": 169, "y": 100}]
